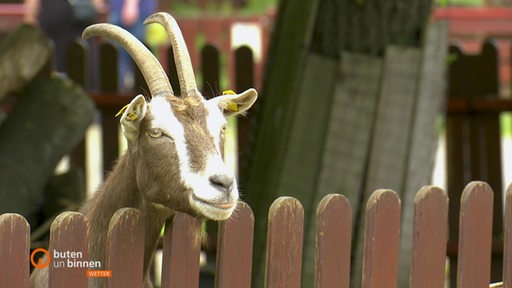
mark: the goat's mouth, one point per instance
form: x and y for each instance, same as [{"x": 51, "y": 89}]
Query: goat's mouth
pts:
[{"x": 224, "y": 205}]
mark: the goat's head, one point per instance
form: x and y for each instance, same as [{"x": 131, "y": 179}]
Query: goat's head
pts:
[{"x": 176, "y": 141}]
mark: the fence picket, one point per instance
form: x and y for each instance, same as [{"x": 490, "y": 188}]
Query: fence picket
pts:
[
  {"x": 284, "y": 243},
  {"x": 110, "y": 125},
  {"x": 210, "y": 69},
  {"x": 234, "y": 249},
  {"x": 68, "y": 233},
  {"x": 125, "y": 249},
  {"x": 382, "y": 233},
  {"x": 244, "y": 79},
  {"x": 507, "y": 250},
  {"x": 182, "y": 243},
  {"x": 333, "y": 242},
  {"x": 14, "y": 250},
  {"x": 430, "y": 235},
  {"x": 475, "y": 236}
]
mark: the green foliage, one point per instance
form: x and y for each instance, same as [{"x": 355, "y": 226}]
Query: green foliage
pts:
[
  {"x": 444, "y": 3},
  {"x": 191, "y": 8}
]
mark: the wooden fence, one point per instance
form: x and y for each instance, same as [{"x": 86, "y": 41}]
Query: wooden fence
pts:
[
  {"x": 284, "y": 244},
  {"x": 473, "y": 137}
]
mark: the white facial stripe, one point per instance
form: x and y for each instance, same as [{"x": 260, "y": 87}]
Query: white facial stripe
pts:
[
  {"x": 167, "y": 121},
  {"x": 215, "y": 121}
]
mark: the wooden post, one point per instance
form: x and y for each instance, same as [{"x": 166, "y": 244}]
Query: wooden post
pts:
[{"x": 110, "y": 124}]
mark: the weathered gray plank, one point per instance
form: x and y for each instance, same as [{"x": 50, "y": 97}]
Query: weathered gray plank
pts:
[
  {"x": 475, "y": 236},
  {"x": 348, "y": 137},
  {"x": 391, "y": 133},
  {"x": 234, "y": 249},
  {"x": 302, "y": 159},
  {"x": 430, "y": 236},
  {"x": 182, "y": 245},
  {"x": 291, "y": 38},
  {"x": 393, "y": 121},
  {"x": 333, "y": 241},
  {"x": 382, "y": 233},
  {"x": 423, "y": 138},
  {"x": 14, "y": 250},
  {"x": 125, "y": 249},
  {"x": 69, "y": 233},
  {"x": 284, "y": 243}
]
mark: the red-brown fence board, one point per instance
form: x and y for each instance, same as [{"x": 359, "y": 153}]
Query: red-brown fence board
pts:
[
  {"x": 475, "y": 233},
  {"x": 234, "y": 249},
  {"x": 125, "y": 249},
  {"x": 14, "y": 250},
  {"x": 333, "y": 242},
  {"x": 382, "y": 233},
  {"x": 429, "y": 238},
  {"x": 284, "y": 243},
  {"x": 69, "y": 232},
  {"x": 507, "y": 247},
  {"x": 182, "y": 240}
]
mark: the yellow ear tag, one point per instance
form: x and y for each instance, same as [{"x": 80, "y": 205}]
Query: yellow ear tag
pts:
[
  {"x": 228, "y": 92},
  {"x": 122, "y": 110},
  {"x": 231, "y": 106},
  {"x": 131, "y": 116}
]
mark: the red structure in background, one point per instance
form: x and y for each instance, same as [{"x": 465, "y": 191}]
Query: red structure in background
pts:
[{"x": 470, "y": 27}]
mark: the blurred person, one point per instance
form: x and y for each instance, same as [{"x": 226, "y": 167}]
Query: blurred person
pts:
[
  {"x": 129, "y": 14},
  {"x": 56, "y": 18}
]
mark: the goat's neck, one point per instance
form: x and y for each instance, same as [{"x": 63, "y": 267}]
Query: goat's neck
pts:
[{"x": 120, "y": 190}]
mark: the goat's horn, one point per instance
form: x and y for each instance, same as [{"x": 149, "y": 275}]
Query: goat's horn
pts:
[
  {"x": 181, "y": 57},
  {"x": 153, "y": 73}
]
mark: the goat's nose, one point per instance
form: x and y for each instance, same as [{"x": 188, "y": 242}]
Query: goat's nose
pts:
[{"x": 222, "y": 182}]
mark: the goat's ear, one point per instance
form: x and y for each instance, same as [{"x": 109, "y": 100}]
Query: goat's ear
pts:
[
  {"x": 232, "y": 104},
  {"x": 132, "y": 115}
]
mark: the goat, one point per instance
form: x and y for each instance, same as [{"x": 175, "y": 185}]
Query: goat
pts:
[{"x": 174, "y": 161}]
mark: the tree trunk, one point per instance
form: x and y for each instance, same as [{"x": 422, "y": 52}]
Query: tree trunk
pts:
[
  {"x": 49, "y": 119},
  {"x": 23, "y": 54}
]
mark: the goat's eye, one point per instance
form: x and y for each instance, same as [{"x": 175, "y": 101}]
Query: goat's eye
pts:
[
  {"x": 223, "y": 129},
  {"x": 155, "y": 133}
]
